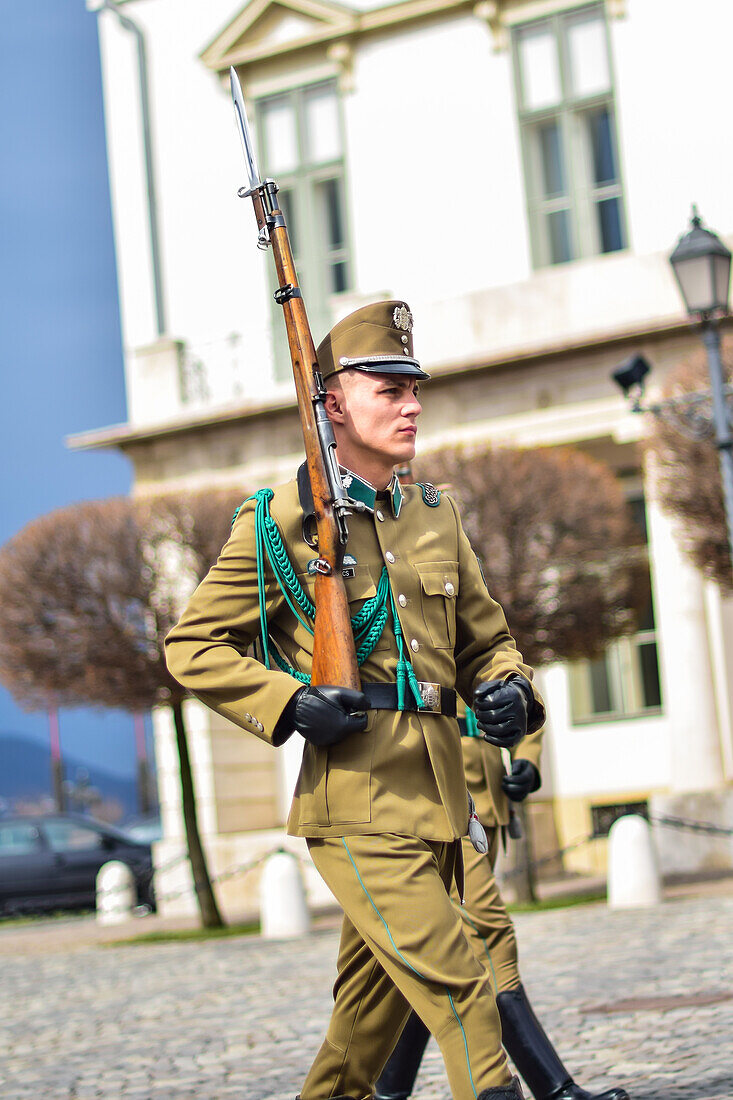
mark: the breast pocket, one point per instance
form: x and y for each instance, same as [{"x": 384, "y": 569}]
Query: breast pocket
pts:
[{"x": 439, "y": 584}]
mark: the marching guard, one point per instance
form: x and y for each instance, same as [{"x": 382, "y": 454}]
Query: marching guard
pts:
[{"x": 381, "y": 797}]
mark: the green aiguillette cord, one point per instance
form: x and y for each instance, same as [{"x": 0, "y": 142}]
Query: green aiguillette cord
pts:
[
  {"x": 367, "y": 625},
  {"x": 472, "y": 729}
]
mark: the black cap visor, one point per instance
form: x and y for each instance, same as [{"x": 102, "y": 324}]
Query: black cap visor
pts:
[{"x": 385, "y": 364}]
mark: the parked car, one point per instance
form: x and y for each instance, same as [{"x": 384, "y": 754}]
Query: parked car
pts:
[
  {"x": 51, "y": 862},
  {"x": 147, "y": 829}
]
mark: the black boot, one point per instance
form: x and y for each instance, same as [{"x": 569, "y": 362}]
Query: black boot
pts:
[
  {"x": 512, "y": 1091},
  {"x": 397, "y": 1079},
  {"x": 534, "y": 1055}
]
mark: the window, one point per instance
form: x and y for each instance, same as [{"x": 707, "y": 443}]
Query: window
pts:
[
  {"x": 67, "y": 836},
  {"x": 19, "y": 839},
  {"x": 301, "y": 143},
  {"x": 624, "y": 682},
  {"x": 568, "y": 129}
]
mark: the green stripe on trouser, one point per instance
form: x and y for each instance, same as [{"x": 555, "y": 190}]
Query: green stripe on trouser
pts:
[
  {"x": 488, "y": 926},
  {"x": 402, "y": 944}
]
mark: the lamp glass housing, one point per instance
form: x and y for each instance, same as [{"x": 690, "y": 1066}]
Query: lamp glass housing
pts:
[{"x": 701, "y": 264}]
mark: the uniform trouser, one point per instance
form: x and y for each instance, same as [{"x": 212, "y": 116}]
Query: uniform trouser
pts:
[
  {"x": 487, "y": 924},
  {"x": 402, "y": 945}
]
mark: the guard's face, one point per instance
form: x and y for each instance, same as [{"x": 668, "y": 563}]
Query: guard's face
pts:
[{"x": 375, "y": 415}]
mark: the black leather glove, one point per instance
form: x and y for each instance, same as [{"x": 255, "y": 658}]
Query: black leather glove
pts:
[
  {"x": 501, "y": 708},
  {"x": 325, "y": 715},
  {"x": 524, "y": 779}
]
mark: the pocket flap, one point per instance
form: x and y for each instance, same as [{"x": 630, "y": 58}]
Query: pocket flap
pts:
[
  {"x": 439, "y": 578},
  {"x": 361, "y": 586}
]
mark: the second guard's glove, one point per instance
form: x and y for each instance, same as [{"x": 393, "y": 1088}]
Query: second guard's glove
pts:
[
  {"x": 501, "y": 708},
  {"x": 523, "y": 780},
  {"x": 325, "y": 715}
]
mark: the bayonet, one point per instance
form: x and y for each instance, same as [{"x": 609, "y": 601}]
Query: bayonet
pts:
[{"x": 240, "y": 113}]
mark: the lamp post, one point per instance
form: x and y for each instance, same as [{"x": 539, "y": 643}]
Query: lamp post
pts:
[{"x": 701, "y": 264}]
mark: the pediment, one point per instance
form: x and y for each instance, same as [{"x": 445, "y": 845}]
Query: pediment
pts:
[{"x": 266, "y": 27}]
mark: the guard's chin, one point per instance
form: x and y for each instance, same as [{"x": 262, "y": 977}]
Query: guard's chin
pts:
[{"x": 405, "y": 449}]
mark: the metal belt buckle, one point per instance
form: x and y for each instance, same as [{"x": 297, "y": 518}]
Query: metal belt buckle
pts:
[{"x": 430, "y": 696}]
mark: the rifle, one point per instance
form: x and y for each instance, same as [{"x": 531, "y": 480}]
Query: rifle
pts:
[{"x": 334, "y": 651}]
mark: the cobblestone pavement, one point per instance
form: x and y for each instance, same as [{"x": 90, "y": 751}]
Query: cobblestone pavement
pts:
[{"x": 243, "y": 1017}]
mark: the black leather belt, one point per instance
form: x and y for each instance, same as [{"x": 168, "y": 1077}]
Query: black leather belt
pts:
[
  {"x": 463, "y": 727},
  {"x": 437, "y": 699}
]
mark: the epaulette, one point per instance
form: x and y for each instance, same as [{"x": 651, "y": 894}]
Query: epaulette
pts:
[
  {"x": 430, "y": 494},
  {"x": 239, "y": 509}
]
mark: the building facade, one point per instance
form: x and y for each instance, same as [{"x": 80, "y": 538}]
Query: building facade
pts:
[{"x": 519, "y": 171}]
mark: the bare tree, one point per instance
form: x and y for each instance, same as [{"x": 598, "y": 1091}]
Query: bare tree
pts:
[
  {"x": 690, "y": 484},
  {"x": 87, "y": 595},
  {"x": 558, "y": 545},
  {"x": 560, "y": 552}
]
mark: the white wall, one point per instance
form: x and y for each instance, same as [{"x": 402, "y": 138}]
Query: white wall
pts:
[
  {"x": 671, "y": 61},
  {"x": 213, "y": 275},
  {"x": 602, "y": 758},
  {"x": 435, "y": 185}
]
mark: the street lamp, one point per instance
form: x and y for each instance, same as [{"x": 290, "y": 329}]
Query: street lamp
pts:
[{"x": 701, "y": 264}]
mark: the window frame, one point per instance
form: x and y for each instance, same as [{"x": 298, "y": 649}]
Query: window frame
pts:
[
  {"x": 313, "y": 260},
  {"x": 622, "y": 657},
  {"x": 582, "y": 194}
]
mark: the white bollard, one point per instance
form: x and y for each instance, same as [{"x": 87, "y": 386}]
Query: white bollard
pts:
[
  {"x": 283, "y": 910},
  {"x": 116, "y": 893},
  {"x": 633, "y": 874}
]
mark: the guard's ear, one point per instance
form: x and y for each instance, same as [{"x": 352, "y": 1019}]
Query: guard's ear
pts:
[{"x": 335, "y": 404}]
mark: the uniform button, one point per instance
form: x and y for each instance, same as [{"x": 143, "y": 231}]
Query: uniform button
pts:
[
  {"x": 390, "y": 557},
  {"x": 450, "y": 589},
  {"x": 402, "y": 600},
  {"x": 404, "y": 339},
  {"x": 406, "y": 351},
  {"x": 379, "y": 515},
  {"x": 414, "y": 645}
]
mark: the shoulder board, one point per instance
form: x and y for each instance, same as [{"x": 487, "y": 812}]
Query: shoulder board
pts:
[
  {"x": 255, "y": 496},
  {"x": 430, "y": 494}
]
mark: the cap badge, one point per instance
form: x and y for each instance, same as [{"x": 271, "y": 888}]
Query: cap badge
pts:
[{"x": 402, "y": 318}]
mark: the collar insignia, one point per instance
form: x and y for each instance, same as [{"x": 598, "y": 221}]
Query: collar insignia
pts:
[
  {"x": 359, "y": 489},
  {"x": 396, "y": 495}
]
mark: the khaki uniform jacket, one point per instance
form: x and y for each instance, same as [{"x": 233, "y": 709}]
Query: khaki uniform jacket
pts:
[
  {"x": 404, "y": 773},
  {"x": 484, "y": 770}
]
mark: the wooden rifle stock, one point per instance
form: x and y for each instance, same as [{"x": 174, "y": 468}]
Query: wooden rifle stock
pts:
[{"x": 334, "y": 651}]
